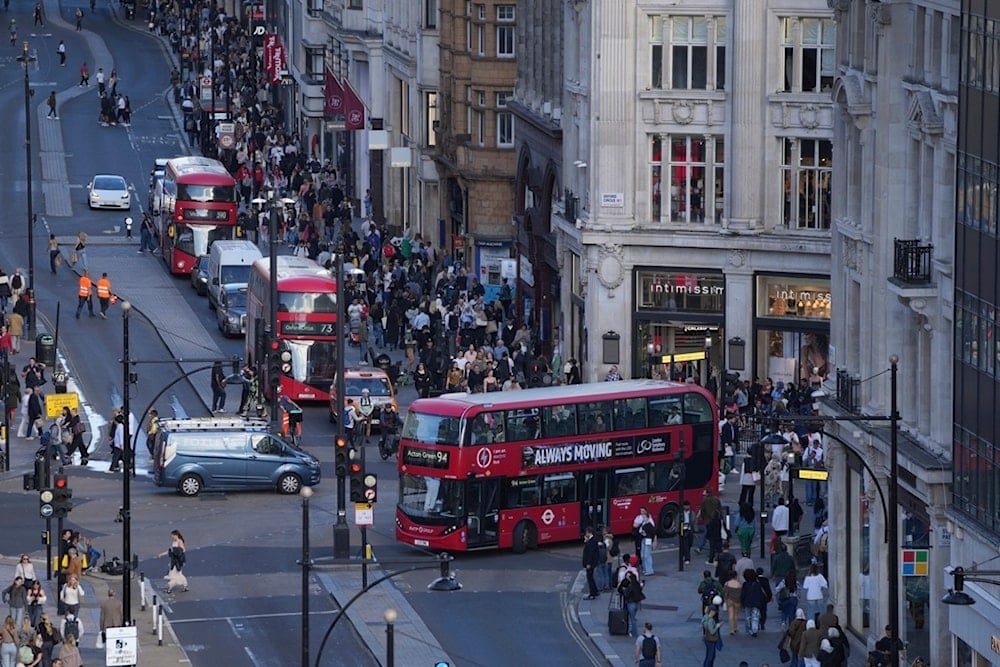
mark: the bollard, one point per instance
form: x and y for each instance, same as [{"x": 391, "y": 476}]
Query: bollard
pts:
[
  {"x": 159, "y": 629},
  {"x": 142, "y": 591},
  {"x": 156, "y": 615}
]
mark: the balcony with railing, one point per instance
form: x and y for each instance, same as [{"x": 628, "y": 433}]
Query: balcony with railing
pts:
[
  {"x": 848, "y": 392},
  {"x": 912, "y": 271}
]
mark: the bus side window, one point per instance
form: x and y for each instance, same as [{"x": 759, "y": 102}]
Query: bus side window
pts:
[
  {"x": 559, "y": 420},
  {"x": 559, "y": 488},
  {"x": 522, "y": 492},
  {"x": 666, "y": 476},
  {"x": 697, "y": 409},
  {"x": 630, "y": 481},
  {"x": 630, "y": 413}
]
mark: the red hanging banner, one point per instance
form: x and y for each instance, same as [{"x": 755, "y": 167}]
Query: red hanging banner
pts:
[
  {"x": 354, "y": 108},
  {"x": 333, "y": 104}
]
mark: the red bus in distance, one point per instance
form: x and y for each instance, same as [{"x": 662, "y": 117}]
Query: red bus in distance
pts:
[
  {"x": 307, "y": 325},
  {"x": 198, "y": 207},
  {"x": 514, "y": 470}
]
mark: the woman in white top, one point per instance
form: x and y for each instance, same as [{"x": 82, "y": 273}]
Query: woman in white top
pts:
[
  {"x": 815, "y": 587},
  {"x": 26, "y": 570},
  {"x": 72, "y": 595}
]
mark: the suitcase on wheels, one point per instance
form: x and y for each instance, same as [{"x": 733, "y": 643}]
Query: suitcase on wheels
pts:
[{"x": 617, "y": 617}]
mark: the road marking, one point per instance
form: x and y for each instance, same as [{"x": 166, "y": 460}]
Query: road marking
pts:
[
  {"x": 229, "y": 619},
  {"x": 252, "y": 657}
]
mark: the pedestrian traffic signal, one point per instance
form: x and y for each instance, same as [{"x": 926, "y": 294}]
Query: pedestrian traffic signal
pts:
[
  {"x": 62, "y": 495},
  {"x": 340, "y": 457},
  {"x": 279, "y": 362},
  {"x": 370, "y": 490},
  {"x": 357, "y": 474},
  {"x": 45, "y": 503}
]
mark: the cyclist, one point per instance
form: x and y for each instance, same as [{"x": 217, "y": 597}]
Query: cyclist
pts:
[{"x": 388, "y": 444}]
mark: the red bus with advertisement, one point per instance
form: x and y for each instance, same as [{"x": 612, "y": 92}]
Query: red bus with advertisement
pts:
[
  {"x": 198, "y": 207},
  {"x": 307, "y": 325},
  {"x": 514, "y": 470}
]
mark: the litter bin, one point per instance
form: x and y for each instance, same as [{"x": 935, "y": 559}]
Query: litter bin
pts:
[{"x": 45, "y": 350}]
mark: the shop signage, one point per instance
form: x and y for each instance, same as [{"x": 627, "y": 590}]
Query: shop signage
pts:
[
  {"x": 799, "y": 298},
  {"x": 915, "y": 563},
  {"x": 612, "y": 200},
  {"x": 680, "y": 291},
  {"x": 527, "y": 271}
]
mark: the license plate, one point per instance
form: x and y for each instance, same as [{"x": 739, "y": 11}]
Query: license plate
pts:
[{"x": 421, "y": 543}]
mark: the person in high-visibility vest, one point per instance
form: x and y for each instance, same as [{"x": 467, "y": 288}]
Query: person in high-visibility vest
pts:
[
  {"x": 83, "y": 294},
  {"x": 104, "y": 293}
]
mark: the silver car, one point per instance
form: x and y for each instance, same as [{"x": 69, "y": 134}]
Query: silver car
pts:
[{"x": 231, "y": 312}]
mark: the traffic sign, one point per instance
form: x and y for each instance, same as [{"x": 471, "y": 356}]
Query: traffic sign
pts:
[
  {"x": 54, "y": 403},
  {"x": 121, "y": 646},
  {"x": 364, "y": 514}
]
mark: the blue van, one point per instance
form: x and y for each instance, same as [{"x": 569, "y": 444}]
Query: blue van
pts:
[{"x": 218, "y": 453}]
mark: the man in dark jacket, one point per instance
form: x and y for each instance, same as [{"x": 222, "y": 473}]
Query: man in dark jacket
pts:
[{"x": 590, "y": 560}]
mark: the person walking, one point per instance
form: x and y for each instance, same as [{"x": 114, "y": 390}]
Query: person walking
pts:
[
  {"x": 54, "y": 259},
  {"x": 72, "y": 594},
  {"x": 83, "y": 293},
  {"x": 79, "y": 19},
  {"x": 81, "y": 250},
  {"x": 647, "y": 535},
  {"x": 591, "y": 556},
  {"x": 104, "y": 294},
  {"x": 61, "y": 50},
  {"x": 752, "y": 599},
  {"x": 218, "y": 388},
  {"x": 16, "y": 597},
  {"x": 710, "y": 634},
  {"x": 815, "y": 587},
  {"x": 51, "y": 102},
  {"x": 84, "y": 75},
  {"x": 111, "y": 613},
  {"x": 147, "y": 235},
  {"x": 39, "y": 16},
  {"x": 631, "y": 593},
  {"x": 101, "y": 87},
  {"x": 647, "y": 648},
  {"x": 178, "y": 557},
  {"x": 117, "y": 441},
  {"x": 710, "y": 504},
  {"x": 8, "y": 642},
  {"x": 36, "y": 602},
  {"x": 732, "y": 593}
]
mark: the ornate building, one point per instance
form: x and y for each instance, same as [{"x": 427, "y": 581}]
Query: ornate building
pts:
[{"x": 674, "y": 180}]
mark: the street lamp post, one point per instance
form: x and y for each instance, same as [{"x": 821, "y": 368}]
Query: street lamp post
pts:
[
  {"x": 126, "y": 476},
  {"x": 306, "y": 494},
  {"x": 893, "y": 513},
  {"x": 390, "y": 637},
  {"x": 26, "y": 59}
]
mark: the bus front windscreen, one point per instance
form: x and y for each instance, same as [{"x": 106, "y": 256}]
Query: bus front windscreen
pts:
[
  {"x": 431, "y": 429},
  {"x": 430, "y": 497},
  {"x": 206, "y": 193}
]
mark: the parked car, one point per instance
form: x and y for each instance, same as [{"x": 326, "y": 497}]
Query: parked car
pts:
[
  {"x": 231, "y": 313},
  {"x": 109, "y": 191},
  {"x": 199, "y": 275}
]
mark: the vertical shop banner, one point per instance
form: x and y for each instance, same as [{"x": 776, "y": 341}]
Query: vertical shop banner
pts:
[
  {"x": 354, "y": 108},
  {"x": 333, "y": 104},
  {"x": 270, "y": 41},
  {"x": 279, "y": 64}
]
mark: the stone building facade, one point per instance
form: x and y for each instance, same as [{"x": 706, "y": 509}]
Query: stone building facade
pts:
[{"x": 673, "y": 183}]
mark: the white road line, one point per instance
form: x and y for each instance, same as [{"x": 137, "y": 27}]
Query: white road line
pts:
[
  {"x": 230, "y": 619},
  {"x": 253, "y": 658}
]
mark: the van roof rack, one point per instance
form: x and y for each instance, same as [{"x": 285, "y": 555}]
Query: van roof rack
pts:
[{"x": 214, "y": 424}]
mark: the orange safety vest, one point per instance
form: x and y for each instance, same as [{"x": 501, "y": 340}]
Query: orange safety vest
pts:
[
  {"x": 84, "y": 287},
  {"x": 103, "y": 288}
]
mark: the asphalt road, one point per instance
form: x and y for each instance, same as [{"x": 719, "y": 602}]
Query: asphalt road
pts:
[{"x": 245, "y": 583}]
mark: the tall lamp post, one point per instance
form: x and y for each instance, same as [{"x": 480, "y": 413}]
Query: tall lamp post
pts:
[
  {"x": 26, "y": 59},
  {"x": 127, "y": 476},
  {"x": 306, "y": 494}
]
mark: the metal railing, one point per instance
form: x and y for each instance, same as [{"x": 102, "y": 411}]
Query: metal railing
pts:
[
  {"x": 911, "y": 262},
  {"x": 848, "y": 392}
]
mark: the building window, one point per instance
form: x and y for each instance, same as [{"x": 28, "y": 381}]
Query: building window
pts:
[
  {"x": 505, "y": 13},
  {"x": 468, "y": 109},
  {"x": 315, "y": 63},
  {"x": 505, "y": 122},
  {"x": 807, "y": 166},
  {"x": 977, "y": 193},
  {"x": 689, "y": 52},
  {"x": 431, "y": 113},
  {"x": 430, "y": 14},
  {"x": 355, "y": 4},
  {"x": 505, "y": 41},
  {"x": 690, "y": 172},
  {"x": 481, "y": 12},
  {"x": 314, "y": 7},
  {"x": 721, "y": 35},
  {"x": 656, "y": 52},
  {"x": 479, "y": 118},
  {"x": 481, "y": 39},
  {"x": 809, "y": 54}
]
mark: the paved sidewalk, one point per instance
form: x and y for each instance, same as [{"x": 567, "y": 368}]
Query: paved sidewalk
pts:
[{"x": 673, "y": 606}]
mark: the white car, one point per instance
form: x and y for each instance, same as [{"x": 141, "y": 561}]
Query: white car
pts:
[{"x": 109, "y": 191}]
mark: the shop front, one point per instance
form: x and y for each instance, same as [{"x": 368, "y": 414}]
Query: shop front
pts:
[
  {"x": 678, "y": 324},
  {"x": 792, "y": 328}
]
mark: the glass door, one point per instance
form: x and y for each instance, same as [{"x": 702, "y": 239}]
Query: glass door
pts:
[{"x": 483, "y": 505}]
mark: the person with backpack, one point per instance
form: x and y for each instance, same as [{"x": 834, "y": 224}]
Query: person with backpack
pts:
[
  {"x": 708, "y": 588},
  {"x": 630, "y": 590},
  {"x": 647, "y": 648},
  {"x": 752, "y": 600},
  {"x": 72, "y": 626}
]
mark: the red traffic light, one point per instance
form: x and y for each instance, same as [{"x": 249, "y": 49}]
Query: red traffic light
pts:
[
  {"x": 275, "y": 345},
  {"x": 355, "y": 468},
  {"x": 61, "y": 481}
]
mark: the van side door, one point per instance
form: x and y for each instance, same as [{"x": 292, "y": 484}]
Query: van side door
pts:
[
  {"x": 224, "y": 457},
  {"x": 265, "y": 455}
]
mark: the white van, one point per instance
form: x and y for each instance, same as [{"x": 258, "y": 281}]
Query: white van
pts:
[{"x": 229, "y": 263}]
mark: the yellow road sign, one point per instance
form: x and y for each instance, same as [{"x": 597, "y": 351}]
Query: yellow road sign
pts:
[{"x": 54, "y": 403}]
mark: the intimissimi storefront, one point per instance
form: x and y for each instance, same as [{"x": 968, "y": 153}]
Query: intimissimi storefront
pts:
[
  {"x": 792, "y": 328},
  {"x": 677, "y": 322}
]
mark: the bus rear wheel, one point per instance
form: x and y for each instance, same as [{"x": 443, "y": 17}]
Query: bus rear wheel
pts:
[
  {"x": 525, "y": 537},
  {"x": 670, "y": 516}
]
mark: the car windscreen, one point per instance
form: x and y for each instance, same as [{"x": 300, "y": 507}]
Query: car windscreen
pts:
[{"x": 109, "y": 183}]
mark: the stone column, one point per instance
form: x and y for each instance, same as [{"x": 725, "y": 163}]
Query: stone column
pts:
[{"x": 746, "y": 148}]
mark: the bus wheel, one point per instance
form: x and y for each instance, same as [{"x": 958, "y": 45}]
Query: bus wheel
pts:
[
  {"x": 525, "y": 537},
  {"x": 670, "y": 516},
  {"x": 190, "y": 485}
]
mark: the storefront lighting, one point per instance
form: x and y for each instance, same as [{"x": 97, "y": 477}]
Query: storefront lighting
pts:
[{"x": 958, "y": 596}]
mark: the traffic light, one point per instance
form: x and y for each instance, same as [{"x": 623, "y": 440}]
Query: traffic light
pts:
[
  {"x": 45, "y": 503},
  {"x": 370, "y": 483},
  {"x": 340, "y": 457},
  {"x": 357, "y": 474},
  {"x": 279, "y": 361},
  {"x": 62, "y": 495}
]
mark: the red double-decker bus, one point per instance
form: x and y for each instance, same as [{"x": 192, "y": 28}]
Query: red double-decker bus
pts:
[
  {"x": 514, "y": 470},
  {"x": 307, "y": 325},
  {"x": 198, "y": 207}
]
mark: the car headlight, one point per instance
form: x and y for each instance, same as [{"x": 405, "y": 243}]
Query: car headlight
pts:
[
  {"x": 94, "y": 195},
  {"x": 233, "y": 319}
]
